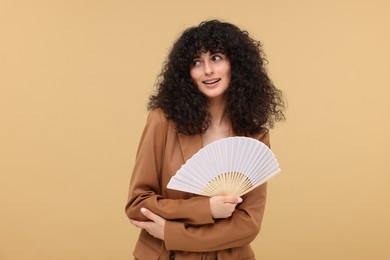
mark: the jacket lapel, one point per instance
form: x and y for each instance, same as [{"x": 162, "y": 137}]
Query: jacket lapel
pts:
[{"x": 190, "y": 144}]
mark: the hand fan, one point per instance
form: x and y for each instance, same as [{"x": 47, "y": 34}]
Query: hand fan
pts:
[{"x": 229, "y": 166}]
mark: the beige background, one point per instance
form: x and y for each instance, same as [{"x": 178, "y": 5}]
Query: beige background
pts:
[{"x": 75, "y": 77}]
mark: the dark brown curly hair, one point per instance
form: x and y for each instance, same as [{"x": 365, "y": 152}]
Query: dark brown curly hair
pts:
[{"x": 253, "y": 102}]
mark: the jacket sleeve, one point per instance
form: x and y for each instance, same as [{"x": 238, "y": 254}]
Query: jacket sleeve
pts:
[
  {"x": 238, "y": 230},
  {"x": 145, "y": 186}
]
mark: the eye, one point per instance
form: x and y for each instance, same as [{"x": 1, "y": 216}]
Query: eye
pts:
[
  {"x": 195, "y": 62},
  {"x": 216, "y": 57}
]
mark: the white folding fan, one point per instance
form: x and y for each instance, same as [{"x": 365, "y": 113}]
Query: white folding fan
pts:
[{"x": 229, "y": 166}]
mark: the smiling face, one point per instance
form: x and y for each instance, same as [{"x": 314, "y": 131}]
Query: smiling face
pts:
[{"x": 211, "y": 74}]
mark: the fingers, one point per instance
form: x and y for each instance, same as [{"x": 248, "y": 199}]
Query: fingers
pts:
[
  {"x": 147, "y": 213},
  {"x": 155, "y": 227},
  {"x": 150, "y": 215},
  {"x": 138, "y": 224},
  {"x": 223, "y": 206},
  {"x": 232, "y": 199}
]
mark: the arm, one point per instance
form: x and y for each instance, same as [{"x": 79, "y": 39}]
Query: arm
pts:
[
  {"x": 239, "y": 230},
  {"x": 145, "y": 185},
  {"x": 221, "y": 207}
]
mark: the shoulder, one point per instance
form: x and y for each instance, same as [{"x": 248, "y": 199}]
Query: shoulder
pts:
[
  {"x": 157, "y": 119},
  {"x": 157, "y": 116},
  {"x": 157, "y": 113},
  {"x": 262, "y": 136}
]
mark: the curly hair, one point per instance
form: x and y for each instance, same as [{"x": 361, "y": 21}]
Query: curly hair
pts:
[{"x": 253, "y": 102}]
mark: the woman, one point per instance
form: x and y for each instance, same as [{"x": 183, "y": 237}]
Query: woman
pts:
[{"x": 213, "y": 85}]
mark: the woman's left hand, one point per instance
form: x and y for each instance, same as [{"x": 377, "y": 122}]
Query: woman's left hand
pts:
[{"x": 155, "y": 227}]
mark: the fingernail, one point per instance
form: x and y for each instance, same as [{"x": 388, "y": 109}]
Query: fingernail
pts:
[
  {"x": 143, "y": 210},
  {"x": 239, "y": 200}
]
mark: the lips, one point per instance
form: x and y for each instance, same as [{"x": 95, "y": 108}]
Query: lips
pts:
[{"x": 211, "y": 81}]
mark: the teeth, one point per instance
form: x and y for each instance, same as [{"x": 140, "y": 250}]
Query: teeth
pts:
[{"x": 211, "y": 81}]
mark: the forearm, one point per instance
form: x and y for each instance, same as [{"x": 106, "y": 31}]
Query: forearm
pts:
[
  {"x": 236, "y": 231},
  {"x": 193, "y": 211}
]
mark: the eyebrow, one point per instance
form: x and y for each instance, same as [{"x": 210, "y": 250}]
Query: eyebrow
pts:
[{"x": 212, "y": 52}]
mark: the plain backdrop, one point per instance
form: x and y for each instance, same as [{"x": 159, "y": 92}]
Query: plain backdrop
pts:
[{"x": 75, "y": 76}]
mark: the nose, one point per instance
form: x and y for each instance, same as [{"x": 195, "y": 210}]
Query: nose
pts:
[{"x": 208, "y": 68}]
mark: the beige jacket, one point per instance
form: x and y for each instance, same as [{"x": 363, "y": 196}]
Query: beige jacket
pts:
[{"x": 190, "y": 230}]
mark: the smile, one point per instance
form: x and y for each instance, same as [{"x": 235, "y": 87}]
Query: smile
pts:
[{"x": 212, "y": 81}]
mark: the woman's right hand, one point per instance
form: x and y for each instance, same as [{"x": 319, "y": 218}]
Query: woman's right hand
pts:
[{"x": 223, "y": 206}]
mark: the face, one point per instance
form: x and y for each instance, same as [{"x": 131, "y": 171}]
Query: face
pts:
[{"x": 211, "y": 74}]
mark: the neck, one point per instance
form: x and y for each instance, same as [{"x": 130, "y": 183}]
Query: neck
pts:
[
  {"x": 217, "y": 109},
  {"x": 219, "y": 125}
]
